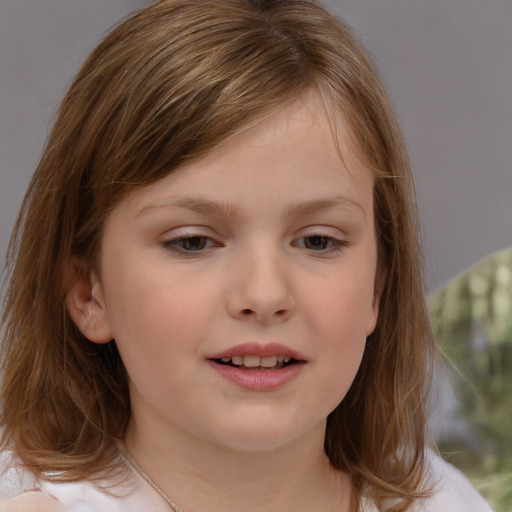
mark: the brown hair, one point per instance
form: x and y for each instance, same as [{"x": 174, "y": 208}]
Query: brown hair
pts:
[{"x": 166, "y": 86}]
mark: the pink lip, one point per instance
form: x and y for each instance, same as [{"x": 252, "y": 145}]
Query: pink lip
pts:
[
  {"x": 258, "y": 380},
  {"x": 260, "y": 350}
]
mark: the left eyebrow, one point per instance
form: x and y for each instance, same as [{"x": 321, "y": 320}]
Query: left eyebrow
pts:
[{"x": 315, "y": 205}]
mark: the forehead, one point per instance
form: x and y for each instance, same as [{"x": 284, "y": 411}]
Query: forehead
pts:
[{"x": 294, "y": 150}]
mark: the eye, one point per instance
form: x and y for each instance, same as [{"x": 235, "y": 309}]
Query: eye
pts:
[
  {"x": 320, "y": 243},
  {"x": 195, "y": 243}
]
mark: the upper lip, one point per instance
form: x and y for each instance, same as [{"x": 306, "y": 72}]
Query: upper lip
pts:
[{"x": 259, "y": 349}]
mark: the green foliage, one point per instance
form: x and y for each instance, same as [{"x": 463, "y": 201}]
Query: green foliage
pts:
[{"x": 472, "y": 317}]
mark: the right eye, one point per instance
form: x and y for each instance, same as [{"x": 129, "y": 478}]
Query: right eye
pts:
[{"x": 195, "y": 243}]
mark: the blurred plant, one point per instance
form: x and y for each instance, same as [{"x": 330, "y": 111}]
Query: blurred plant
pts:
[{"x": 472, "y": 317}]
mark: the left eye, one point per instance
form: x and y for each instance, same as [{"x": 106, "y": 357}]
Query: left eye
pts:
[
  {"x": 190, "y": 243},
  {"x": 319, "y": 243}
]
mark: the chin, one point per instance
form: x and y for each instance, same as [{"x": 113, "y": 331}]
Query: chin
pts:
[{"x": 258, "y": 437}]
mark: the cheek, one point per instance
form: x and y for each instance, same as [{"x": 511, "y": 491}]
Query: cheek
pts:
[
  {"x": 342, "y": 311},
  {"x": 158, "y": 327},
  {"x": 156, "y": 315},
  {"x": 339, "y": 319}
]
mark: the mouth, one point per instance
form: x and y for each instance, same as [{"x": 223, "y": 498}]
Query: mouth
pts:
[
  {"x": 253, "y": 362},
  {"x": 258, "y": 366}
]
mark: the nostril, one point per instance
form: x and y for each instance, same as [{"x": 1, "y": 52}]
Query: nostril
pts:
[{"x": 249, "y": 312}]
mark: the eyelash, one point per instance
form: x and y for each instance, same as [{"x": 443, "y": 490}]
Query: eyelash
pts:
[
  {"x": 335, "y": 244},
  {"x": 179, "y": 244},
  {"x": 175, "y": 243}
]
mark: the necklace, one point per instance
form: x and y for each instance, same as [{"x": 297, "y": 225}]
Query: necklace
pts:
[{"x": 146, "y": 477}]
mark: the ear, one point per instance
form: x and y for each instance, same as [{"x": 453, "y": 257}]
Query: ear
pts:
[
  {"x": 378, "y": 289},
  {"x": 85, "y": 304}
]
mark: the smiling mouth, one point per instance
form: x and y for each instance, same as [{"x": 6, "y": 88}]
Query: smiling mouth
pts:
[{"x": 248, "y": 362}]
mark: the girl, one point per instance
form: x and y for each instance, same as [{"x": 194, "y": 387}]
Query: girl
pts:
[{"x": 215, "y": 294}]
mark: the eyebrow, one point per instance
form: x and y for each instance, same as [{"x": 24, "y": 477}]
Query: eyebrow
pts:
[
  {"x": 204, "y": 206},
  {"x": 315, "y": 205},
  {"x": 209, "y": 207}
]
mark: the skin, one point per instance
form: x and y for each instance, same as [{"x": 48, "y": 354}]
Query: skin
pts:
[
  {"x": 31, "y": 502},
  {"x": 269, "y": 239}
]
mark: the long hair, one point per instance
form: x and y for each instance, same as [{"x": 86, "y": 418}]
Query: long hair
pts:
[{"x": 165, "y": 87}]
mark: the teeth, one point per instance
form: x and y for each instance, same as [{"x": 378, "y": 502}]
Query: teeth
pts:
[
  {"x": 256, "y": 361},
  {"x": 268, "y": 362},
  {"x": 252, "y": 361}
]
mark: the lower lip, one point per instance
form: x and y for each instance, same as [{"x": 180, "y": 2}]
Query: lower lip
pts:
[{"x": 259, "y": 380}]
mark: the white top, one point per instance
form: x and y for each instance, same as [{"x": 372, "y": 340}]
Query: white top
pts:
[{"x": 454, "y": 492}]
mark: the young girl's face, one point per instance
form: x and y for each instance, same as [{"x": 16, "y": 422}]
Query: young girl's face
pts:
[{"x": 240, "y": 289}]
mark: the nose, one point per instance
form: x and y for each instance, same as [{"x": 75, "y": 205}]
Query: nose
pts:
[{"x": 260, "y": 288}]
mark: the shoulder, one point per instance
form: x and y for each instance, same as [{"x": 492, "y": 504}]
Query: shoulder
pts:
[
  {"x": 21, "y": 491},
  {"x": 452, "y": 490},
  {"x": 14, "y": 478},
  {"x": 31, "y": 502}
]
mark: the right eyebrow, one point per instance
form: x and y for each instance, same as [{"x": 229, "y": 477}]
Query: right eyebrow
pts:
[{"x": 204, "y": 206}]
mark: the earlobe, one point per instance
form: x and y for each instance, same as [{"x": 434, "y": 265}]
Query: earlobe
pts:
[{"x": 86, "y": 306}]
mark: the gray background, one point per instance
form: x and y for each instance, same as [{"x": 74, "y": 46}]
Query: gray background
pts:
[{"x": 447, "y": 64}]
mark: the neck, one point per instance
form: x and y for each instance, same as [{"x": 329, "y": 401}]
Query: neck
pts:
[{"x": 201, "y": 476}]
